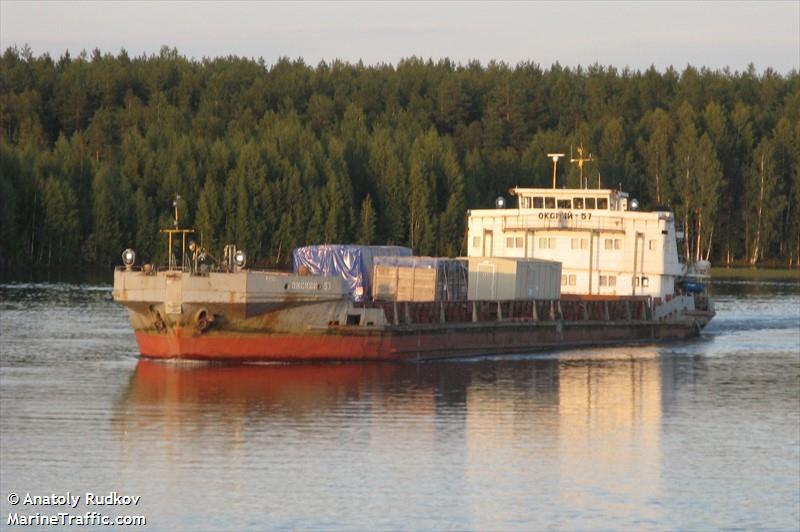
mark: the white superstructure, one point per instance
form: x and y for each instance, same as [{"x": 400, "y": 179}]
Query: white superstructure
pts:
[{"x": 605, "y": 247}]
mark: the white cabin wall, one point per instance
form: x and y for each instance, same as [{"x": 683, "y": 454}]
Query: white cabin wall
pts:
[
  {"x": 516, "y": 248},
  {"x": 654, "y": 256}
]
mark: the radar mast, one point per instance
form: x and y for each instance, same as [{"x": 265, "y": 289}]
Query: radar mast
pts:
[
  {"x": 555, "y": 157},
  {"x": 581, "y": 160}
]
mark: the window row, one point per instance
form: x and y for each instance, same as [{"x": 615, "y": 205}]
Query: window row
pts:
[
  {"x": 605, "y": 280},
  {"x": 550, "y": 202},
  {"x": 550, "y": 243}
]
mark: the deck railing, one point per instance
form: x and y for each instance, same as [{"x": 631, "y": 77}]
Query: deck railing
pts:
[
  {"x": 431, "y": 312},
  {"x": 583, "y": 221}
]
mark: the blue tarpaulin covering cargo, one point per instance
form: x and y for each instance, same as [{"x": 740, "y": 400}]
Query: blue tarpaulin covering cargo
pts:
[{"x": 351, "y": 262}]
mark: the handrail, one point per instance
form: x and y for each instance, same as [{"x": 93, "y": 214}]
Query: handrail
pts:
[{"x": 563, "y": 221}]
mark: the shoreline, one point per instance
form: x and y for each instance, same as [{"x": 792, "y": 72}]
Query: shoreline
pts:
[
  {"x": 103, "y": 277},
  {"x": 783, "y": 274}
]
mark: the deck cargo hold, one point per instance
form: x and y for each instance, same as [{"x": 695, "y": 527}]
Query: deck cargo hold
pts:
[
  {"x": 494, "y": 278},
  {"x": 419, "y": 279},
  {"x": 350, "y": 262}
]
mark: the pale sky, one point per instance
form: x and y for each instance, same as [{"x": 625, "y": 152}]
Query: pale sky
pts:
[{"x": 634, "y": 34}]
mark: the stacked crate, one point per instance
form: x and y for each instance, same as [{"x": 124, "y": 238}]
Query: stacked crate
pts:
[{"x": 419, "y": 279}]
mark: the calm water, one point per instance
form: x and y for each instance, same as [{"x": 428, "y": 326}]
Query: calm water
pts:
[{"x": 694, "y": 435}]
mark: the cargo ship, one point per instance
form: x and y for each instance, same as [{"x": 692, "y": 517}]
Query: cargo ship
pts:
[{"x": 565, "y": 267}]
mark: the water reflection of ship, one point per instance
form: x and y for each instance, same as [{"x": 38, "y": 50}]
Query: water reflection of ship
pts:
[
  {"x": 586, "y": 427},
  {"x": 610, "y": 430},
  {"x": 609, "y": 389},
  {"x": 243, "y": 388},
  {"x": 195, "y": 396},
  {"x": 595, "y": 434}
]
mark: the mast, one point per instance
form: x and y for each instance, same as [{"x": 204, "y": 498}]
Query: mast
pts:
[{"x": 174, "y": 231}]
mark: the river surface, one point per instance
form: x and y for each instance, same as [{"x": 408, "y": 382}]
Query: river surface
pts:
[{"x": 696, "y": 435}]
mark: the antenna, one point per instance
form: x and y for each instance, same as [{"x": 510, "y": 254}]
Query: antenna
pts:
[
  {"x": 580, "y": 160},
  {"x": 555, "y": 157},
  {"x": 175, "y": 204}
]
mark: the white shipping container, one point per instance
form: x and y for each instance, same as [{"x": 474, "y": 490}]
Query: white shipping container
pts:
[{"x": 495, "y": 278}]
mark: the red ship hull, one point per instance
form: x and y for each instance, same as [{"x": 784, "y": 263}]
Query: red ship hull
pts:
[{"x": 453, "y": 341}]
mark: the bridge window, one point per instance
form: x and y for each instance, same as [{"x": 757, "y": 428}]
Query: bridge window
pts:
[
  {"x": 476, "y": 241},
  {"x": 602, "y": 203},
  {"x": 549, "y": 203},
  {"x": 538, "y": 202},
  {"x": 564, "y": 204},
  {"x": 568, "y": 280},
  {"x": 577, "y": 203},
  {"x": 652, "y": 245},
  {"x": 590, "y": 203},
  {"x": 612, "y": 243}
]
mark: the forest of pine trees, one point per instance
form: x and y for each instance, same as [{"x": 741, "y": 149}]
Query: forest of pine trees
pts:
[{"x": 94, "y": 148}]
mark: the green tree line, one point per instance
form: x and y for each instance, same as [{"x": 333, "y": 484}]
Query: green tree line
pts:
[{"x": 94, "y": 148}]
